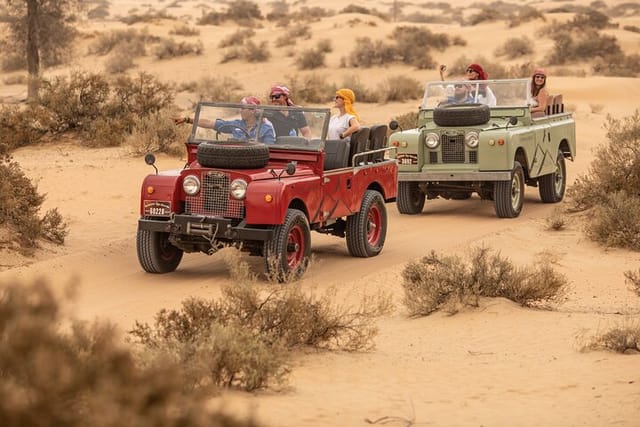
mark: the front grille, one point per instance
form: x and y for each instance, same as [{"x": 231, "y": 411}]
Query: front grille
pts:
[
  {"x": 214, "y": 199},
  {"x": 433, "y": 157},
  {"x": 454, "y": 150}
]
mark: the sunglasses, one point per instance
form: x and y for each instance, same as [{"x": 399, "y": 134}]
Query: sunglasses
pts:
[
  {"x": 539, "y": 76},
  {"x": 338, "y": 97},
  {"x": 276, "y": 96},
  {"x": 471, "y": 70}
]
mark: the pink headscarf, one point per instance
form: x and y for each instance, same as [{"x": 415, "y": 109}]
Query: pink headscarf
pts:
[
  {"x": 250, "y": 100},
  {"x": 283, "y": 90}
]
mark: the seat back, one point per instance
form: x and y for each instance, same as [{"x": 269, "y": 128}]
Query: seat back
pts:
[
  {"x": 549, "y": 108},
  {"x": 336, "y": 154},
  {"x": 558, "y": 105},
  {"x": 377, "y": 140},
  {"x": 359, "y": 141}
]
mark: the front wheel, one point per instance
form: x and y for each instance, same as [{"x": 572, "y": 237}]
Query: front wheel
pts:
[
  {"x": 410, "y": 198},
  {"x": 287, "y": 253},
  {"x": 552, "y": 186},
  {"x": 155, "y": 253},
  {"x": 509, "y": 195},
  {"x": 367, "y": 230}
]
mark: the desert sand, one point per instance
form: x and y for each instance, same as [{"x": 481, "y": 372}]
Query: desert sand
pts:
[{"x": 497, "y": 365}]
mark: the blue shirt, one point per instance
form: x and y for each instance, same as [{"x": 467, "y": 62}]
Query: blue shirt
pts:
[
  {"x": 267, "y": 134},
  {"x": 452, "y": 100}
]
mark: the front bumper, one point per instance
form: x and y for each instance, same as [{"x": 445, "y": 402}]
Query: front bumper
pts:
[
  {"x": 455, "y": 176},
  {"x": 207, "y": 227}
]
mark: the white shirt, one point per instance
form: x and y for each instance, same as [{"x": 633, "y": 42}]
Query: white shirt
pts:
[
  {"x": 338, "y": 124},
  {"x": 489, "y": 100}
]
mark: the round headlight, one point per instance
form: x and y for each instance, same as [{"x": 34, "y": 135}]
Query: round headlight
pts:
[
  {"x": 431, "y": 140},
  {"x": 191, "y": 185},
  {"x": 471, "y": 139},
  {"x": 238, "y": 189}
]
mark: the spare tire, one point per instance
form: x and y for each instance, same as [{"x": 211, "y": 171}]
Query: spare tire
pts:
[
  {"x": 461, "y": 114},
  {"x": 233, "y": 155}
]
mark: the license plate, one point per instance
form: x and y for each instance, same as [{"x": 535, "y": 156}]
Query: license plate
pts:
[{"x": 157, "y": 208}]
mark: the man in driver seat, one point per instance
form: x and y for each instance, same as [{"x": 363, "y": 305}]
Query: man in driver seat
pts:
[{"x": 461, "y": 95}]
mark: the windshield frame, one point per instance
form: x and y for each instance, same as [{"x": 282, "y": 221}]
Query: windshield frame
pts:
[{"x": 436, "y": 92}]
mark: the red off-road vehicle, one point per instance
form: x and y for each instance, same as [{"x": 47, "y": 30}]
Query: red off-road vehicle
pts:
[{"x": 264, "y": 198}]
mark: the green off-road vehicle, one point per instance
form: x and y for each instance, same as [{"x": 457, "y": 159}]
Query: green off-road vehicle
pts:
[{"x": 463, "y": 148}]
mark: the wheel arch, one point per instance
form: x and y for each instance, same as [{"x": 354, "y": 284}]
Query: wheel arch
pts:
[
  {"x": 377, "y": 187},
  {"x": 521, "y": 157},
  {"x": 299, "y": 205},
  {"x": 565, "y": 147}
]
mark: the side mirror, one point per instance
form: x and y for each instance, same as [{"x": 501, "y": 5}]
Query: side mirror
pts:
[
  {"x": 150, "y": 159},
  {"x": 393, "y": 125}
]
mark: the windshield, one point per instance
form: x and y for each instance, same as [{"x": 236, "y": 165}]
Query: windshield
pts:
[
  {"x": 277, "y": 126},
  {"x": 507, "y": 93}
]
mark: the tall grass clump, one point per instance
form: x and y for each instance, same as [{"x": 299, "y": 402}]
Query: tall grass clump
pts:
[
  {"x": 620, "y": 339},
  {"x": 609, "y": 190},
  {"x": 633, "y": 278},
  {"x": 83, "y": 374},
  {"x": 447, "y": 282},
  {"x": 515, "y": 48}
]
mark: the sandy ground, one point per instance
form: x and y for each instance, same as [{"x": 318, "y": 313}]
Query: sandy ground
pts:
[{"x": 498, "y": 365}]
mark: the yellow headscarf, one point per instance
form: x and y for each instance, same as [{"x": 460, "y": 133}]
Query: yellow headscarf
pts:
[{"x": 349, "y": 99}]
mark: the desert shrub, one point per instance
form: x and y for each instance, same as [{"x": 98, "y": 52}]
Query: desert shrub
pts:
[
  {"x": 556, "y": 221},
  {"x": 620, "y": 339},
  {"x": 310, "y": 14},
  {"x": 632, "y": 28},
  {"x": 222, "y": 89},
  {"x": 423, "y": 18},
  {"x": 515, "y": 47},
  {"x": 407, "y": 120},
  {"x": 157, "y": 133},
  {"x": 615, "y": 168},
  {"x": 524, "y": 15},
  {"x": 399, "y": 88},
  {"x": 184, "y": 30},
  {"x": 211, "y": 18},
  {"x": 447, "y": 282},
  {"x": 256, "y": 52},
  {"x": 131, "y": 41},
  {"x": 590, "y": 19},
  {"x": 312, "y": 88},
  {"x": 293, "y": 34},
  {"x": 324, "y": 46},
  {"x": 368, "y": 53},
  {"x": 242, "y": 11},
  {"x": 118, "y": 63},
  {"x": 237, "y": 38},
  {"x": 12, "y": 61},
  {"x": 84, "y": 375},
  {"x": 150, "y": 16},
  {"x": 279, "y": 8},
  {"x": 415, "y": 44},
  {"x": 53, "y": 227},
  {"x": 170, "y": 48},
  {"x": 352, "y": 8},
  {"x": 486, "y": 14},
  {"x": 618, "y": 66},
  {"x": 310, "y": 59},
  {"x": 99, "y": 12},
  {"x": 633, "y": 278},
  {"x": 23, "y": 125},
  {"x": 617, "y": 221},
  {"x": 596, "y": 108}
]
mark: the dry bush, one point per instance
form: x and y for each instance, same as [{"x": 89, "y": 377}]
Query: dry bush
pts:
[
  {"x": 633, "y": 278},
  {"x": 524, "y": 15},
  {"x": 407, "y": 120},
  {"x": 632, "y": 28},
  {"x": 242, "y": 340},
  {"x": 368, "y": 53},
  {"x": 220, "y": 89},
  {"x": 169, "y": 48},
  {"x": 622, "y": 339},
  {"x": 237, "y": 38},
  {"x": 596, "y": 108},
  {"x": 99, "y": 12},
  {"x": 422, "y": 18},
  {"x": 611, "y": 184},
  {"x": 53, "y": 227},
  {"x": 515, "y": 47},
  {"x": 131, "y": 41},
  {"x": 23, "y": 125},
  {"x": 352, "y": 8},
  {"x": 487, "y": 13},
  {"x": 293, "y": 34},
  {"x": 211, "y": 18},
  {"x": 311, "y": 88},
  {"x": 310, "y": 59},
  {"x": 184, "y": 30},
  {"x": 363, "y": 93},
  {"x": 557, "y": 220},
  {"x": 309, "y": 14},
  {"x": 256, "y": 53},
  {"x": 157, "y": 133},
  {"x": 118, "y": 63},
  {"x": 84, "y": 375},
  {"x": 18, "y": 79},
  {"x": 446, "y": 282},
  {"x": 150, "y": 17},
  {"x": 243, "y": 12},
  {"x": 399, "y": 88}
]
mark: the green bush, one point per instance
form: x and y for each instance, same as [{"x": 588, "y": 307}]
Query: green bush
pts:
[{"x": 447, "y": 282}]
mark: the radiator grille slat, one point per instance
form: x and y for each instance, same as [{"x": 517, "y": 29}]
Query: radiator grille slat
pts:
[
  {"x": 454, "y": 150},
  {"x": 214, "y": 199}
]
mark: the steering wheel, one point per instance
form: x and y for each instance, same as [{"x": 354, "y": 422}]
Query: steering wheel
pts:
[{"x": 229, "y": 125}]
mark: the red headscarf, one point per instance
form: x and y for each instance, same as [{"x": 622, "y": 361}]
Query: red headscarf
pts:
[
  {"x": 250, "y": 100},
  {"x": 283, "y": 90},
  {"x": 482, "y": 75}
]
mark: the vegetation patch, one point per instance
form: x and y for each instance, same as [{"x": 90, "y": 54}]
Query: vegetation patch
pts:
[
  {"x": 447, "y": 282},
  {"x": 621, "y": 339}
]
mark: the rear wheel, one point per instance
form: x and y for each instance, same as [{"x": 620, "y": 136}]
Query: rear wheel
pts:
[
  {"x": 287, "y": 253},
  {"x": 509, "y": 195},
  {"x": 155, "y": 253},
  {"x": 552, "y": 186},
  {"x": 367, "y": 230},
  {"x": 410, "y": 198}
]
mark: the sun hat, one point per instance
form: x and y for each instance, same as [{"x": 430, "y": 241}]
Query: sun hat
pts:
[{"x": 478, "y": 69}]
